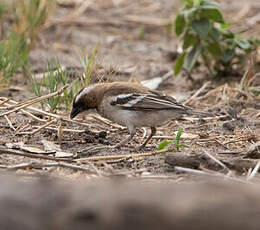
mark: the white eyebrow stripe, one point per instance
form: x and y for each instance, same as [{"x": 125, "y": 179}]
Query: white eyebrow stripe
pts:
[
  {"x": 84, "y": 92},
  {"x": 135, "y": 101}
]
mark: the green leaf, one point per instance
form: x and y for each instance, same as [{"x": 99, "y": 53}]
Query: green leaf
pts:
[
  {"x": 243, "y": 44},
  {"x": 214, "y": 49},
  {"x": 179, "y": 63},
  {"x": 178, "y": 136},
  {"x": 188, "y": 39},
  {"x": 228, "y": 55},
  {"x": 163, "y": 144},
  {"x": 215, "y": 33},
  {"x": 179, "y": 24},
  {"x": 242, "y": 59},
  {"x": 225, "y": 25},
  {"x": 213, "y": 14},
  {"x": 209, "y": 5},
  {"x": 201, "y": 27},
  {"x": 189, "y": 3},
  {"x": 189, "y": 14},
  {"x": 197, "y": 2},
  {"x": 192, "y": 57},
  {"x": 228, "y": 34}
]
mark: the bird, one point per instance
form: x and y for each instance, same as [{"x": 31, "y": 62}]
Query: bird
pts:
[{"x": 131, "y": 105}]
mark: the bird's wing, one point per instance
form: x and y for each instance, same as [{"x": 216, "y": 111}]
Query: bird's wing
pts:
[{"x": 147, "y": 101}]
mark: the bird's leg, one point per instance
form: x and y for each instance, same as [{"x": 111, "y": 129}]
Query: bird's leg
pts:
[
  {"x": 132, "y": 132},
  {"x": 153, "y": 131}
]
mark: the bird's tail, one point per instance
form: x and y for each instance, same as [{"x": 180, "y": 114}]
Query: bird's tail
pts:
[{"x": 200, "y": 113}]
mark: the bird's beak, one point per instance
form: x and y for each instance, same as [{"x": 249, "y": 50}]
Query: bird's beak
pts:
[{"x": 74, "y": 112}]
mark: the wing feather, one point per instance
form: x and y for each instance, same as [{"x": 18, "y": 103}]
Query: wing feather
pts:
[{"x": 138, "y": 101}]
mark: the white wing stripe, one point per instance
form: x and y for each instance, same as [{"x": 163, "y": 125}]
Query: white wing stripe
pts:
[
  {"x": 122, "y": 96},
  {"x": 145, "y": 100},
  {"x": 135, "y": 101}
]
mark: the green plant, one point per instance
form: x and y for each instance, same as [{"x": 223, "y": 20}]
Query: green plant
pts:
[
  {"x": 55, "y": 78},
  {"x": 89, "y": 66},
  {"x": 13, "y": 55},
  {"x": 2, "y": 9},
  {"x": 176, "y": 143},
  {"x": 141, "y": 32},
  {"x": 29, "y": 17},
  {"x": 204, "y": 34}
]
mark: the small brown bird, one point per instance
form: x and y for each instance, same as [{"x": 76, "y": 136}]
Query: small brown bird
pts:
[{"x": 131, "y": 105}]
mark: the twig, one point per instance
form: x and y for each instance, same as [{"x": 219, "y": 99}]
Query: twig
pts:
[
  {"x": 229, "y": 152},
  {"x": 9, "y": 123},
  {"x": 119, "y": 156},
  {"x": 156, "y": 177},
  {"x": 36, "y": 165},
  {"x": 43, "y": 126},
  {"x": 216, "y": 160},
  {"x": 119, "y": 21},
  {"x": 193, "y": 136},
  {"x": 94, "y": 168},
  {"x": 4, "y": 101},
  {"x": 32, "y": 116},
  {"x": 188, "y": 170},
  {"x": 205, "y": 85},
  {"x": 33, "y": 101},
  {"x": 199, "y": 172},
  {"x": 107, "y": 122},
  {"x": 65, "y": 130},
  {"x": 212, "y": 92},
  {"x": 81, "y": 9},
  {"x": 22, "y": 110},
  {"x": 59, "y": 117},
  {"x": 257, "y": 75},
  {"x": 155, "y": 21},
  {"x": 30, "y": 155},
  {"x": 21, "y": 127}
]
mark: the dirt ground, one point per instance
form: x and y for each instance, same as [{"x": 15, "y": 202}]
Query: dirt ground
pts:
[{"x": 135, "y": 41}]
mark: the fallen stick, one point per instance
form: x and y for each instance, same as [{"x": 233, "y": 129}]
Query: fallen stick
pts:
[
  {"x": 36, "y": 165},
  {"x": 9, "y": 123},
  {"x": 30, "y": 155},
  {"x": 33, "y": 101},
  {"x": 119, "y": 156},
  {"x": 195, "y": 95},
  {"x": 4, "y": 101},
  {"x": 43, "y": 126}
]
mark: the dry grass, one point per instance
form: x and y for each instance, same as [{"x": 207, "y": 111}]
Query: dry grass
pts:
[{"x": 31, "y": 15}]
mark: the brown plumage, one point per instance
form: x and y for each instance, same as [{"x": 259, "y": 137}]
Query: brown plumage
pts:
[{"x": 131, "y": 105}]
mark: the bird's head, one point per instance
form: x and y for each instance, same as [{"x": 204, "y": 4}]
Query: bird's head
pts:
[{"x": 85, "y": 100}]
